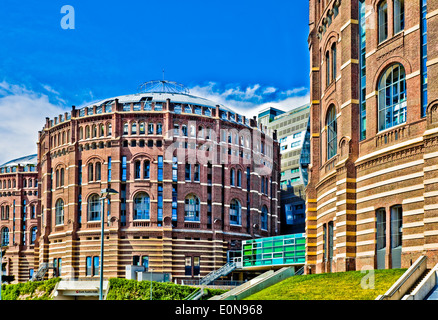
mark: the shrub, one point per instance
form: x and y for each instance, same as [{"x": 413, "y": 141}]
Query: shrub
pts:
[
  {"x": 31, "y": 290},
  {"x": 123, "y": 289}
]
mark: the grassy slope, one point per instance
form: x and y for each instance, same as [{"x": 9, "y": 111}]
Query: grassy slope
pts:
[{"x": 331, "y": 286}]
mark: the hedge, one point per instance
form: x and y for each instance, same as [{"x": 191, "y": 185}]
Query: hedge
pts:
[
  {"x": 123, "y": 289},
  {"x": 31, "y": 290}
]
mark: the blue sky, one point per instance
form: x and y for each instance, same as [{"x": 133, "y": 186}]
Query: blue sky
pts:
[{"x": 245, "y": 54}]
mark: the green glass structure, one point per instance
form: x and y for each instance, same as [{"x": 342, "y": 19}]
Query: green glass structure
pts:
[{"x": 279, "y": 250}]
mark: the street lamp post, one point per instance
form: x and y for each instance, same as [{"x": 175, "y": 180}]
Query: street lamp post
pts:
[
  {"x": 151, "y": 282},
  {"x": 105, "y": 194}
]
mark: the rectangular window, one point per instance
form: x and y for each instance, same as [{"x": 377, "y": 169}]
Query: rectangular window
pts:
[
  {"x": 188, "y": 172},
  {"x": 423, "y": 25},
  {"x": 109, "y": 169},
  {"x": 196, "y": 173},
  {"x": 145, "y": 262},
  {"x": 159, "y": 128},
  {"x": 381, "y": 229},
  {"x": 188, "y": 266},
  {"x": 95, "y": 266},
  {"x": 196, "y": 266},
  {"x": 174, "y": 202},
  {"x": 396, "y": 226},
  {"x": 362, "y": 74},
  {"x": 124, "y": 168},
  {"x": 136, "y": 260},
  {"x": 160, "y": 203},
  {"x": 160, "y": 168},
  {"x": 123, "y": 204},
  {"x": 175, "y": 169}
]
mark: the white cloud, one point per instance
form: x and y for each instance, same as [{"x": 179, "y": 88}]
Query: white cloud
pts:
[
  {"x": 269, "y": 90},
  {"x": 23, "y": 114},
  {"x": 251, "y": 100}
]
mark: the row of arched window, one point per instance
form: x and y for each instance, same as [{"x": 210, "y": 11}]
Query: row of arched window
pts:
[
  {"x": 5, "y": 210},
  {"x": 398, "y": 15},
  {"x": 11, "y": 183},
  {"x": 192, "y": 209},
  {"x": 60, "y": 138},
  {"x": 5, "y": 236},
  {"x": 94, "y": 131}
]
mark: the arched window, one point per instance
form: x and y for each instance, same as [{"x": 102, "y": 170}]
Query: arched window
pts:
[
  {"x": 235, "y": 212},
  {"x": 134, "y": 128},
  {"x": 90, "y": 172},
  {"x": 264, "y": 218},
  {"x": 333, "y": 61},
  {"x": 392, "y": 97},
  {"x": 81, "y": 133},
  {"x": 141, "y": 206},
  {"x": 142, "y": 128},
  {"x": 94, "y": 208},
  {"x": 327, "y": 68},
  {"x": 98, "y": 171},
  {"x": 331, "y": 132},
  {"x": 5, "y": 237},
  {"x": 239, "y": 178},
  {"x": 87, "y": 132},
  {"x": 94, "y": 131},
  {"x": 101, "y": 130},
  {"x": 192, "y": 209},
  {"x": 61, "y": 177},
  {"x": 399, "y": 15},
  {"x": 232, "y": 176},
  {"x": 5, "y": 212},
  {"x": 109, "y": 129},
  {"x": 125, "y": 128},
  {"x": 147, "y": 169},
  {"x": 137, "y": 168},
  {"x": 383, "y": 21},
  {"x": 59, "y": 212},
  {"x": 33, "y": 233}
]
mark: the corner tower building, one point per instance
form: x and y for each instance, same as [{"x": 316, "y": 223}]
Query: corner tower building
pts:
[{"x": 373, "y": 178}]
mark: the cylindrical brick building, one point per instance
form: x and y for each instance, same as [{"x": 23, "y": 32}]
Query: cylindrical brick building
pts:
[{"x": 193, "y": 178}]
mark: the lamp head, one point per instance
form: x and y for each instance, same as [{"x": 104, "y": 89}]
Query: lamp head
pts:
[{"x": 107, "y": 192}]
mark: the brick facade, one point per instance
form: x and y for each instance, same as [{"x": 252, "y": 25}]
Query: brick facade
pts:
[
  {"x": 65, "y": 143},
  {"x": 385, "y": 169},
  {"x": 18, "y": 208}
]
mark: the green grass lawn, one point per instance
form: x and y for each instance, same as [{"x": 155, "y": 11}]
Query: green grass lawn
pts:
[{"x": 352, "y": 285}]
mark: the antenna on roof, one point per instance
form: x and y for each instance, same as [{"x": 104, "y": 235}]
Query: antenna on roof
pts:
[{"x": 162, "y": 86}]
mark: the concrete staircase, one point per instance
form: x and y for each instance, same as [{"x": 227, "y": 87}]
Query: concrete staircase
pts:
[
  {"x": 216, "y": 274},
  {"x": 426, "y": 288},
  {"x": 255, "y": 285}
]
